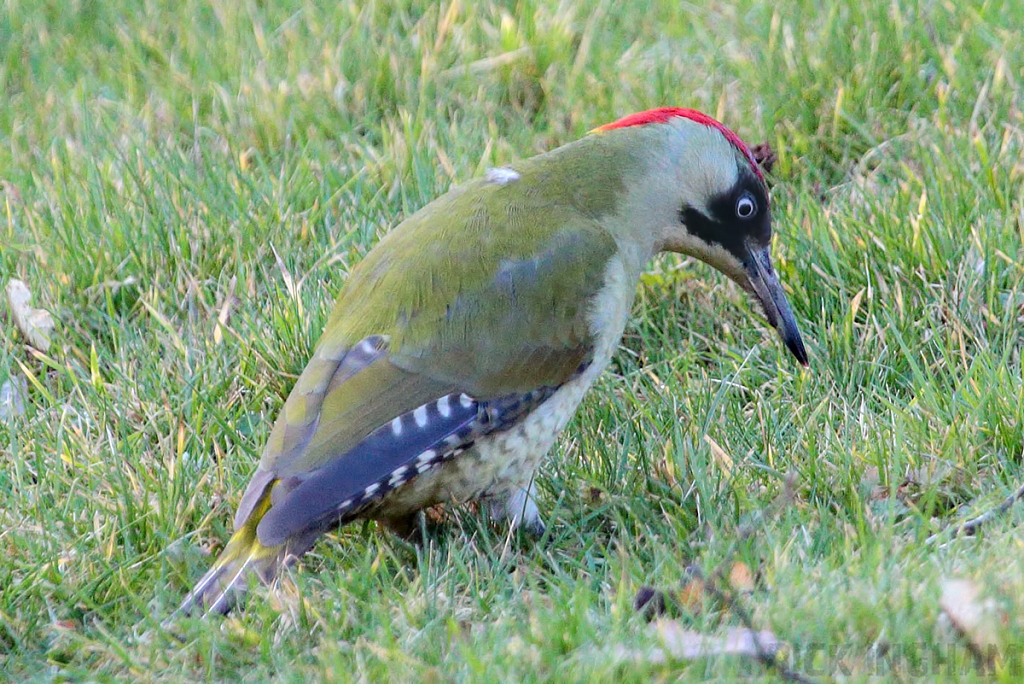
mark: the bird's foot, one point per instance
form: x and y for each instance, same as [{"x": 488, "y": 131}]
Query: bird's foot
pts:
[{"x": 519, "y": 509}]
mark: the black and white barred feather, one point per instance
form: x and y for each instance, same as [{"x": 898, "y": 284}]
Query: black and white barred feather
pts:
[{"x": 409, "y": 445}]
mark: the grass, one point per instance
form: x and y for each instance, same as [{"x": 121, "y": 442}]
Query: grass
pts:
[{"x": 155, "y": 155}]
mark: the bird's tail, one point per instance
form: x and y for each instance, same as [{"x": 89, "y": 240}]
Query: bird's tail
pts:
[{"x": 220, "y": 587}]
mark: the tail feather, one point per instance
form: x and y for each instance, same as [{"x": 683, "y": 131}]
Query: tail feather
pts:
[{"x": 217, "y": 590}]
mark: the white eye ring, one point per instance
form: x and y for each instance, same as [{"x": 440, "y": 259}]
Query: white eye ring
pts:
[{"x": 746, "y": 206}]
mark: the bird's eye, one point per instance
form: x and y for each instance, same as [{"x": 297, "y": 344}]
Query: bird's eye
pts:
[{"x": 746, "y": 206}]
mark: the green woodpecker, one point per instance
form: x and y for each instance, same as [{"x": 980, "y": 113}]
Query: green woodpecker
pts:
[{"x": 462, "y": 344}]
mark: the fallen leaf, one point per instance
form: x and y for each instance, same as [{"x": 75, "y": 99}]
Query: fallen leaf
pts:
[
  {"x": 679, "y": 643},
  {"x": 721, "y": 456},
  {"x": 691, "y": 596},
  {"x": 741, "y": 578},
  {"x": 686, "y": 643},
  {"x": 977, "y": 620},
  {"x": 35, "y": 324}
]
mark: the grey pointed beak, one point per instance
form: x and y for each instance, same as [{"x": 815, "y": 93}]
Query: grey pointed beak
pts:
[{"x": 768, "y": 290}]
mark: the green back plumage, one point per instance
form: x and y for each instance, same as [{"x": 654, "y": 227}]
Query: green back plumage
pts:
[
  {"x": 485, "y": 291},
  {"x": 479, "y": 286}
]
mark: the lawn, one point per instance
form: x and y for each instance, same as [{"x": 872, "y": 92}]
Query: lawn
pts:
[{"x": 185, "y": 186}]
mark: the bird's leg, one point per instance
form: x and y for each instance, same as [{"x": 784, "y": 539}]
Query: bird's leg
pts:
[
  {"x": 519, "y": 508},
  {"x": 406, "y": 527}
]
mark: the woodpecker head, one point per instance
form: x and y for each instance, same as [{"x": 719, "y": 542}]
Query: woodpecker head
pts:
[{"x": 714, "y": 205}]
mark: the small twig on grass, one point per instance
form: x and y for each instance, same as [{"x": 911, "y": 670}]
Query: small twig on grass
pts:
[
  {"x": 710, "y": 583},
  {"x": 767, "y": 657},
  {"x": 971, "y": 526},
  {"x": 652, "y": 604}
]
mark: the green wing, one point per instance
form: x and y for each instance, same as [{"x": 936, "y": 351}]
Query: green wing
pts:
[{"x": 484, "y": 292}]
